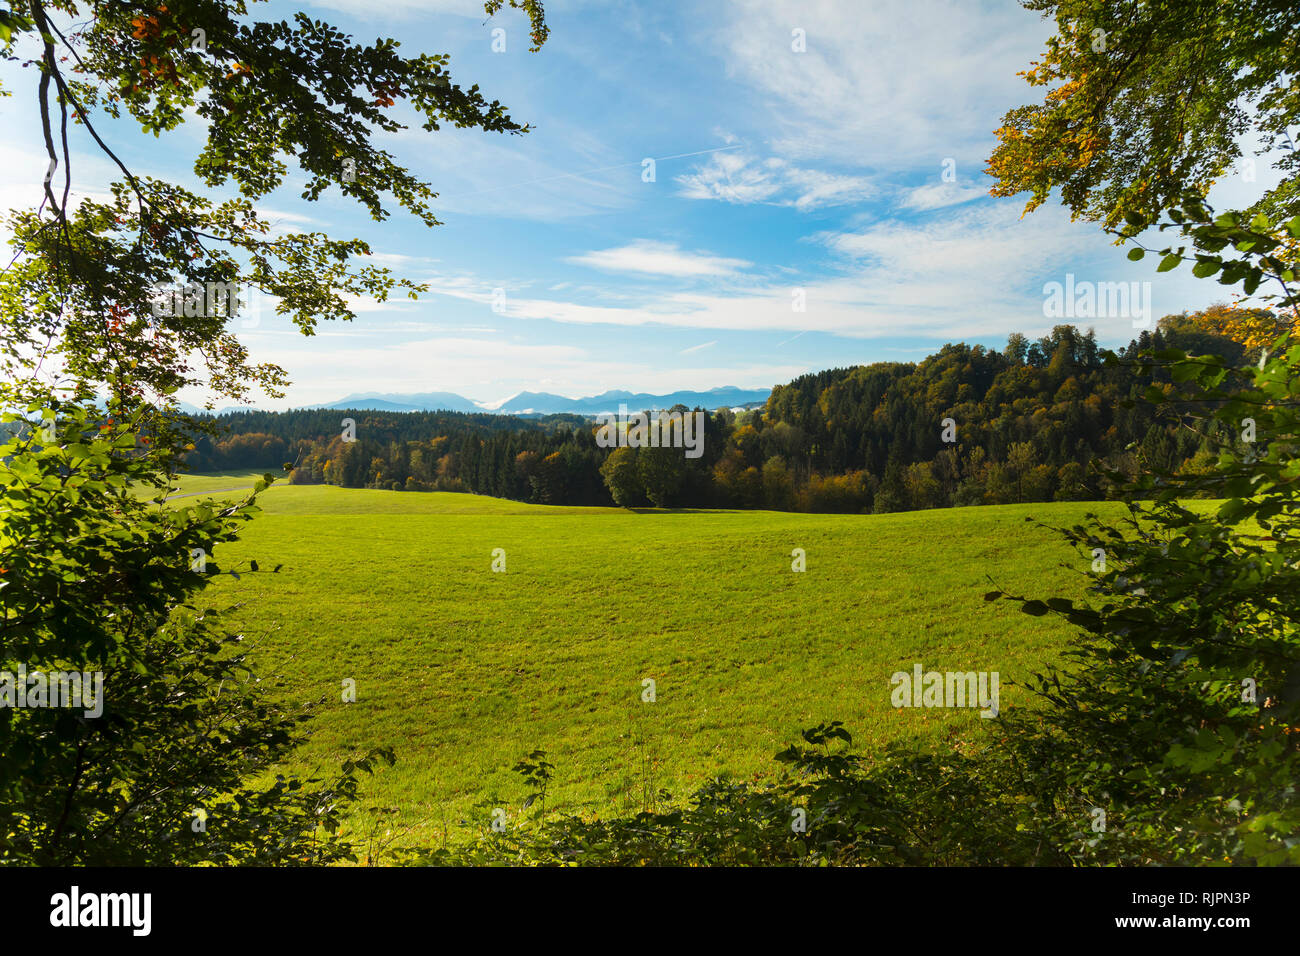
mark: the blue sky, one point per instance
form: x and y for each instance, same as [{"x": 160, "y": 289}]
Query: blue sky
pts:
[{"x": 778, "y": 174}]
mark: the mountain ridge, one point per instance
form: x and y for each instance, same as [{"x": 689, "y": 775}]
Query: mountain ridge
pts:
[{"x": 547, "y": 403}]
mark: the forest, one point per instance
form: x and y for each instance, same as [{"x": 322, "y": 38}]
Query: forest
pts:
[{"x": 1041, "y": 420}]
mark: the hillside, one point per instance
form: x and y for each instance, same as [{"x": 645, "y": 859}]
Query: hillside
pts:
[{"x": 464, "y": 670}]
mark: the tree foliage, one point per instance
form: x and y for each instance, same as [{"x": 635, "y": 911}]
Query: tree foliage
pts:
[
  {"x": 1146, "y": 100},
  {"x": 94, "y": 577}
]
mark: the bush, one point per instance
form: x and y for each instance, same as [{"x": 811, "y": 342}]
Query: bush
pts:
[{"x": 98, "y": 580}]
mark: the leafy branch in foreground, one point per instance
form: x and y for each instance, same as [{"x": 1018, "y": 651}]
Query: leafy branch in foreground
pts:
[
  {"x": 97, "y": 581},
  {"x": 156, "y": 767},
  {"x": 1146, "y": 101}
]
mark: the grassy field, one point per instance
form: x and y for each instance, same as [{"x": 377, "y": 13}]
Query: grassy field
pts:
[
  {"x": 464, "y": 670},
  {"x": 221, "y": 486}
]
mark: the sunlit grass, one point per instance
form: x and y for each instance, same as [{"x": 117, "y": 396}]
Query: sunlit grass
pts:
[{"x": 463, "y": 670}]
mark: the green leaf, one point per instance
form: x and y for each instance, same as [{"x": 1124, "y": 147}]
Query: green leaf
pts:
[{"x": 1232, "y": 509}]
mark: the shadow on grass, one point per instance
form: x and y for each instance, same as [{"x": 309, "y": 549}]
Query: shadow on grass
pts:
[{"x": 693, "y": 511}]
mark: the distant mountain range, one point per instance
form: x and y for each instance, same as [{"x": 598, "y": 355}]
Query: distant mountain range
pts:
[
  {"x": 544, "y": 403},
  {"x": 420, "y": 402}
]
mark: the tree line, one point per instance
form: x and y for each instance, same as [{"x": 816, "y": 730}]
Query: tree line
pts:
[{"x": 1037, "y": 421}]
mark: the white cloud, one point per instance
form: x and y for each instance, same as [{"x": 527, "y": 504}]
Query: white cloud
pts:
[
  {"x": 890, "y": 84},
  {"x": 939, "y": 195},
  {"x": 361, "y": 304},
  {"x": 742, "y": 179},
  {"x": 731, "y": 178},
  {"x": 563, "y": 173},
  {"x": 990, "y": 241},
  {"x": 328, "y": 368},
  {"x": 659, "y": 258},
  {"x": 24, "y": 183},
  {"x": 396, "y": 261},
  {"x": 815, "y": 188},
  {"x": 959, "y": 274}
]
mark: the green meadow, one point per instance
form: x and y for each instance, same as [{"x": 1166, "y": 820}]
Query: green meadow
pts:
[{"x": 464, "y": 670}]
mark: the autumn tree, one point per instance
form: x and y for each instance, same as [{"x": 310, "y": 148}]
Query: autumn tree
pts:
[
  {"x": 1254, "y": 328},
  {"x": 1145, "y": 101}
]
